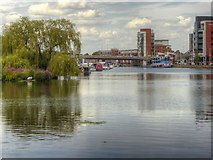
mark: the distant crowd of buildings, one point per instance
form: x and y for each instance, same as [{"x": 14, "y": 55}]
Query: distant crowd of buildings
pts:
[{"x": 200, "y": 43}]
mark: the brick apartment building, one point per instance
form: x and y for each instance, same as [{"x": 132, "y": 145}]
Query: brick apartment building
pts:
[
  {"x": 202, "y": 37},
  {"x": 145, "y": 42},
  {"x": 191, "y": 42},
  {"x": 207, "y": 28},
  {"x": 162, "y": 46}
]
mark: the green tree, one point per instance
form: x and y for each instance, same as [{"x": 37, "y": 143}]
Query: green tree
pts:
[
  {"x": 186, "y": 56},
  {"x": 97, "y": 53},
  {"x": 197, "y": 59},
  {"x": 36, "y": 40},
  {"x": 63, "y": 65},
  {"x": 14, "y": 61}
]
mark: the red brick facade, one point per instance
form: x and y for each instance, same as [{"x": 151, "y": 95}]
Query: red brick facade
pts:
[
  {"x": 208, "y": 39},
  {"x": 162, "y": 49},
  {"x": 149, "y": 46}
]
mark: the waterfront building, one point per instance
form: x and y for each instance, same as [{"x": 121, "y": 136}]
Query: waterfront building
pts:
[
  {"x": 190, "y": 42},
  {"x": 162, "y": 46},
  {"x": 207, "y": 31},
  {"x": 198, "y": 34},
  {"x": 128, "y": 53},
  {"x": 145, "y": 42},
  {"x": 105, "y": 52},
  {"x": 115, "y": 51}
]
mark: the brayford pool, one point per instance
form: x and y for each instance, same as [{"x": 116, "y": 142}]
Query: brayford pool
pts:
[{"x": 121, "y": 113}]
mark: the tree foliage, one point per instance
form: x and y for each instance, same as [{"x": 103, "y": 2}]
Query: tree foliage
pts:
[
  {"x": 97, "y": 53},
  {"x": 36, "y": 40},
  {"x": 63, "y": 65},
  {"x": 198, "y": 59},
  {"x": 186, "y": 56},
  {"x": 15, "y": 61}
]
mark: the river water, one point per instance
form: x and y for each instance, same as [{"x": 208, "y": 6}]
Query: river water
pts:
[{"x": 124, "y": 112}]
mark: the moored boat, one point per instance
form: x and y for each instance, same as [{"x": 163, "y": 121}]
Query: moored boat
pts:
[{"x": 99, "y": 67}]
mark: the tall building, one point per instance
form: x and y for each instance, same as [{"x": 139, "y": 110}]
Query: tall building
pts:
[
  {"x": 191, "y": 42},
  {"x": 207, "y": 31},
  {"x": 162, "y": 46},
  {"x": 145, "y": 42},
  {"x": 198, "y": 33}
]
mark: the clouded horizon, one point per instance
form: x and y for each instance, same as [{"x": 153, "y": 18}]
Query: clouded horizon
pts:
[{"x": 106, "y": 25}]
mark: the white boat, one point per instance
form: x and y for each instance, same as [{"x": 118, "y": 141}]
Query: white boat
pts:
[
  {"x": 105, "y": 67},
  {"x": 111, "y": 66},
  {"x": 92, "y": 69}
]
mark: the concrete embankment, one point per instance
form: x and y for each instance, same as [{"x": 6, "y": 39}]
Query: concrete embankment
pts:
[{"x": 193, "y": 66}]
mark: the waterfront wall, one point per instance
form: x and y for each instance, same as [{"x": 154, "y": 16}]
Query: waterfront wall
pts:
[{"x": 192, "y": 66}]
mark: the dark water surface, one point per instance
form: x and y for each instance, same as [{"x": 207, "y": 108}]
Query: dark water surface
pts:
[{"x": 124, "y": 112}]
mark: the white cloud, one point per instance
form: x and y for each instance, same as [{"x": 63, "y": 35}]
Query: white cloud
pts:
[
  {"x": 71, "y": 4},
  {"x": 174, "y": 35},
  {"x": 138, "y": 22},
  {"x": 43, "y": 9},
  {"x": 6, "y": 7},
  {"x": 189, "y": 29},
  {"x": 12, "y": 17},
  {"x": 87, "y": 14},
  {"x": 184, "y": 21},
  {"x": 174, "y": 26},
  {"x": 87, "y": 31},
  {"x": 107, "y": 34},
  {"x": 167, "y": 24}
]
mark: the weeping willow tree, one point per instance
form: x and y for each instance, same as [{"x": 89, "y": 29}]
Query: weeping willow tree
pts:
[
  {"x": 36, "y": 41},
  {"x": 63, "y": 65}
]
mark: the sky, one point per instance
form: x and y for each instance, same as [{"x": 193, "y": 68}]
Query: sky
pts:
[{"x": 114, "y": 24}]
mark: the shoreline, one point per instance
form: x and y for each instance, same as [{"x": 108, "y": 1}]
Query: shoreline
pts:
[{"x": 193, "y": 66}]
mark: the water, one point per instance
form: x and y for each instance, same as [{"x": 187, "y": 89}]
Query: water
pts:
[{"x": 155, "y": 113}]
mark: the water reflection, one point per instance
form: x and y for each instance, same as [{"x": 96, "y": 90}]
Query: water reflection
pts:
[
  {"x": 176, "y": 92},
  {"x": 201, "y": 76},
  {"x": 52, "y": 108},
  {"x": 201, "y": 90},
  {"x": 147, "y": 114}
]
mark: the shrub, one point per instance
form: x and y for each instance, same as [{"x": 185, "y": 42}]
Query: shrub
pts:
[
  {"x": 16, "y": 74},
  {"x": 41, "y": 75},
  {"x": 48, "y": 74}
]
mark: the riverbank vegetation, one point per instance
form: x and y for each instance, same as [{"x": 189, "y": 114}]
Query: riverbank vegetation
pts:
[{"x": 39, "y": 48}]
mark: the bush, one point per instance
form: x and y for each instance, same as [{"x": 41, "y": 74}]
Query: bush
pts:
[
  {"x": 16, "y": 74},
  {"x": 9, "y": 75},
  {"x": 41, "y": 75}
]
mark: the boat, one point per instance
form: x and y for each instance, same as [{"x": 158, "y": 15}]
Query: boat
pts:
[
  {"x": 99, "y": 67},
  {"x": 85, "y": 70},
  {"x": 92, "y": 69},
  {"x": 156, "y": 65},
  {"x": 167, "y": 65},
  {"x": 110, "y": 65},
  {"x": 105, "y": 67}
]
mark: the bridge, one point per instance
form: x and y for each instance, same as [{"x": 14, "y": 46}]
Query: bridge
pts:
[{"x": 134, "y": 58}]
